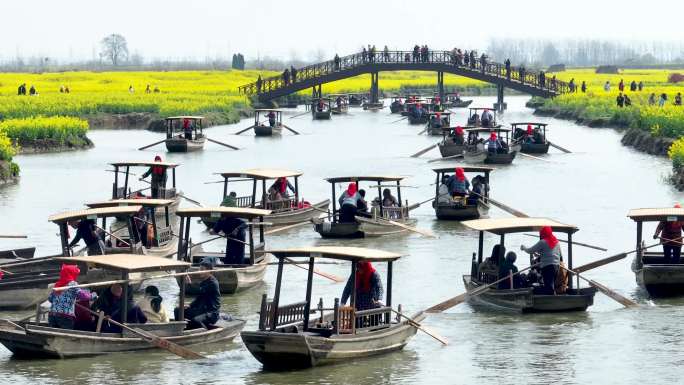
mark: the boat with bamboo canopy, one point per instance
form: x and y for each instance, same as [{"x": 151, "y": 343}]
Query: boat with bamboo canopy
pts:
[
  {"x": 232, "y": 277},
  {"x": 302, "y": 335},
  {"x": 452, "y": 144},
  {"x": 516, "y": 294},
  {"x": 320, "y": 109},
  {"x": 534, "y": 143},
  {"x": 35, "y": 339},
  {"x": 122, "y": 189},
  {"x": 658, "y": 275},
  {"x": 438, "y": 123},
  {"x": 453, "y": 100},
  {"x": 285, "y": 209},
  {"x": 462, "y": 208},
  {"x": 340, "y": 104},
  {"x": 476, "y": 150},
  {"x": 377, "y": 221},
  {"x": 190, "y": 134}
]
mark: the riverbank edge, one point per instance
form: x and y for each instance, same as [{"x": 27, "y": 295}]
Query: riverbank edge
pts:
[
  {"x": 7, "y": 176},
  {"x": 154, "y": 122},
  {"x": 637, "y": 138}
]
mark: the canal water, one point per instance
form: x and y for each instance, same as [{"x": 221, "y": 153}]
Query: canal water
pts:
[{"x": 593, "y": 188}]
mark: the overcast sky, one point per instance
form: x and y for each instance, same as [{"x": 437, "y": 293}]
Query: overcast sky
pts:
[{"x": 72, "y": 29}]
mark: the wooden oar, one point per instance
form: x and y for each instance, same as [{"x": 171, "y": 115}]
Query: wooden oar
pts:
[
  {"x": 298, "y": 115},
  {"x": 13, "y": 236},
  {"x": 573, "y": 242},
  {"x": 398, "y": 120},
  {"x": 626, "y": 302},
  {"x": 503, "y": 207},
  {"x": 558, "y": 147},
  {"x": 291, "y": 130},
  {"x": 534, "y": 157},
  {"x": 151, "y": 338},
  {"x": 423, "y": 151},
  {"x": 445, "y": 158},
  {"x": 283, "y": 228},
  {"x": 423, "y": 328},
  {"x": 222, "y": 144},
  {"x": 150, "y": 145},
  {"x": 191, "y": 200},
  {"x": 401, "y": 225},
  {"x": 329, "y": 276},
  {"x": 245, "y": 130},
  {"x": 611, "y": 259},
  {"x": 457, "y": 300},
  {"x": 422, "y": 132},
  {"x": 112, "y": 235}
]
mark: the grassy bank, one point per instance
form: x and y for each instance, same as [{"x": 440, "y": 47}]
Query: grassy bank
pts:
[
  {"x": 597, "y": 107},
  {"x": 46, "y": 133},
  {"x": 8, "y": 169}
]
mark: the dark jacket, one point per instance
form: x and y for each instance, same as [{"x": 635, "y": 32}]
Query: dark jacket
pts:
[
  {"x": 209, "y": 298},
  {"x": 111, "y": 306},
  {"x": 85, "y": 231}
]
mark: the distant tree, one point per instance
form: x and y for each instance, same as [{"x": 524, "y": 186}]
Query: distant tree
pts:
[
  {"x": 550, "y": 54},
  {"x": 238, "y": 62},
  {"x": 114, "y": 48}
]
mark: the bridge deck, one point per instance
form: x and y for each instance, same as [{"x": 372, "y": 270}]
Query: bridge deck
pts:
[{"x": 437, "y": 61}]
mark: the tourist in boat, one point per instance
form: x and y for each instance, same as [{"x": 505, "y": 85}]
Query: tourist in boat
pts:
[
  {"x": 369, "y": 289},
  {"x": 458, "y": 183},
  {"x": 678, "y": 99},
  {"x": 142, "y": 227},
  {"x": 230, "y": 200},
  {"x": 63, "y": 303},
  {"x": 111, "y": 303},
  {"x": 151, "y": 305},
  {"x": 389, "y": 200},
  {"x": 529, "y": 135},
  {"x": 479, "y": 189},
  {"x": 436, "y": 120},
  {"x": 258, "y": 84},
  {"x": 508, "y": 267},
  {"x": 537, "y": 136},
  {"x": 494, "y": 144},
  {"x": 234, "y": 229},
  {"x": 187, "y": 129},
  {"x": 271, "y": 118},
  {"x": 87, "y": 230},
  {"x": 349, "y": 203},
  {"x": 443, "y": 195},
  {"x": 159, "y": 177},
  {"x": 549, "y": 252},
  {"x": 320, "y": 106},
  {"x": 457, "y": 135},
  {"x": 279, "y": 188},
  {"x": 487, "y": 118},
  {"x": 488, "y": 270},
  {"x": 362, "y": 205},
  {"x": 670, "y": 235},
  {"x": 203, "y": 312}
]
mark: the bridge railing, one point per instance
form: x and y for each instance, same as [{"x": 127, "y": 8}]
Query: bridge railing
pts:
[{"x": 345, "y": 63}]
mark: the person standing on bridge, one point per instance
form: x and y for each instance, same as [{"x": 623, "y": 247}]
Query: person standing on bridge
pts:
[
  {"x": 372, "y": 53},
  {"x": 293, "y": 74},
  {"x": 521, "y": 73},
  {"x": 385, "y": 54},
  {"x": 542, "y": 79},
  {"x": 336, "y": 61},
  {"x": 286, "y": 76},
  {"x": 507, "y": 63},
  {"x": 364, "y": 54},
  {"x": 258, "y": 84},
  {"x": 483, "y": 62},
  {"x": 472, "y": 59},
  {"x": 466, "y": 58}
]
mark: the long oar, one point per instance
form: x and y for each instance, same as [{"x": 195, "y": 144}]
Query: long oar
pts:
[
  {"x": 279, "y": 229},
  {"x": 401, "y": 225},
  {"x": 558, "y": 147},
  {"x": 457, "y": 300},
  {"x": 113, "y": 236},
  {"x": 291, "y": 130},
  {"x": 191, "y": 200},
  {"x": 574, "y": 243},
  {"x": 423, "y": 151},
  {"x": 222, "y": 144},
  {"x": 150, "y": 145},
  {"x": 245, "y": 130},
  {"x": 611, "y": 259},
  {"x": 329, "y": 276},
  {"x": 13, "y": 236},
  {"x": 151, "y": 338},
  {"x": 503, "y": 207},
  {"x": 423, "y": 131},
  {"x": 423, "y": 328},
  {"x": 626, "y": 302},
  {"x": 399, "y": 120},
  {"x": 535, "y": 157},
  {"x": 298, "y": 115},
  {"x": 445, "y": 158}
]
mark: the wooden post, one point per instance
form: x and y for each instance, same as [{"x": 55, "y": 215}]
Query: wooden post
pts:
[
  {"x": 309, "y": 284},
  {"x": 261, "y": 230},
  {"x": 399, "y": 192},
  {"x": 440, "y": 85},
  {"x": 131, "y": 228},
  {"x": 251, "y": 244},
  {"x": 263, "y": 311},
  {"x": 225, "y": 186},
  {"x": 173, "y": 174},
  {"x": 639, "y": 235},
  {"x": 181, "y": 254},
  {"x": 276, "y": 296},
  {"x": 254, "y": 188},
  {"x": 500, "y": 257},
  {"x": 437, "y": 183},
  {"x": 124, "y": 299},
  {"x": 155, "y": 241},
  {"x": 570, "y": 260},
  {"x": 480, "y": 248},
  {"x": 336, "y": 317},
  {"x": 116, "y": 182},
  {"x": 63, "y": 232},
  {"x": 181, "y": 298},
  {"x": 263, "y": 195},
  {"x": 188, "y": 249},
  {"x": 38, "y": 314},
  {"x": 380, "y": 198},
  {"x": 320, "y": 307},
  {"x": 334, "y": 203},
  {"x": 388, "y": 295},
  {"x": 352, "y": 299},
  {"x": 296, "y": 189},
  {"x": 128, "y": 171},
  {"x": 510, "y": 279}
]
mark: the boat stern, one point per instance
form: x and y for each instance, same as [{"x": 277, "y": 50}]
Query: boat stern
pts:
[{"x": 278, "y": 351}]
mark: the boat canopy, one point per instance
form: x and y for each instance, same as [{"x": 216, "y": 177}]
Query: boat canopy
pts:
[
  {"x": 268, "y": 110},
  {"x": 145, "y": 164},
  {"x": 386, "y": 178},
  {"x": 480, "y": 108},
  {"x": 128, "y": 262},
  {"x": 465, "y": 169},
  {"x": 145, "y": 202},
  {"x": 530, "y": 123},
  {"x": 488, "y": 129},
  {"x": 185, "y": 117},
  {"x": 355, "y": 254},
  {"x": 232, "y": 212},
  {"x": 501, "y": 226},
  {"x": 669, "y": 214},
  {"x": 94, "y": 213},
  {"x": 262, "y": 173}
]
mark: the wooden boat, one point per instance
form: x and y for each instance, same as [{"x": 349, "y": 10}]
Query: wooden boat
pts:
[
  {"x": 522, "y": 299},
  {"x": 372, "y": 224},
  {"x": 25, "y": 283},
  {"x": 449, "y": 147},
  {"x": 535, "y": 145},
  {"x": 184, "y": 142},
  {"x": 272, "y": 125},
  {"x": 472, "y": 207},
  {"x": 300, "y": 335},
  {"x": 356, "y": 100},
  {"x": 474, "y": 114},
  {"x": 17, "y": 254},
  {"x": 397, "y": 105},
  {"x": 123, "y": 190},
  {"x": 284, "y": 211},
  {"x": 235, "y": 277},
  {"x": 320, "y": 109},
  {"x": 159, "y": 228},
  {"x": 373, "y": 105},
  {"x": 458, "y": 103},
  {"x": 658, "y": 276},
  {"x": 438, "y": 123},
  {"x": 340, "y": 105},
  {"x": 476, "y": 150},
  {"x": 37, "y": 340},
  {"x": 414, "y": 117}
]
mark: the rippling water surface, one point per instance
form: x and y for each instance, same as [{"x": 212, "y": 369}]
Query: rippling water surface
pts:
[{"x": 593, "y": 188}]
